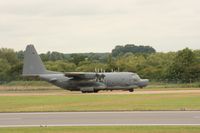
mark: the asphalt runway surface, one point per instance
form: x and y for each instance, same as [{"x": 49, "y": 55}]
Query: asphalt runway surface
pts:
[{"x": 100, "y": 118}]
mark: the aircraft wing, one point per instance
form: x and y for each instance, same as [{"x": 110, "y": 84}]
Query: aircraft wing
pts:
[{"x": 81, "y": 75}]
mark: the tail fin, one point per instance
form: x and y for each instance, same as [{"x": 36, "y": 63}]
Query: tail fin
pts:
[{"x": 33, "y": 65}]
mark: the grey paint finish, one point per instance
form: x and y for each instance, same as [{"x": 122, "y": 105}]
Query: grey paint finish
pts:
[
  {"x": 100, "y": 118},
  {"x": 80, "y": 81},
  {"x": 32, "y": 64}
]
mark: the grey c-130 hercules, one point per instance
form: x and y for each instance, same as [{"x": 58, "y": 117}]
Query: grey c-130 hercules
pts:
[{"x": 86, "y": 82}]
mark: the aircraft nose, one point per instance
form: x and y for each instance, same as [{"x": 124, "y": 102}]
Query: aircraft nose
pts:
[{"x": 143, "y": 83}]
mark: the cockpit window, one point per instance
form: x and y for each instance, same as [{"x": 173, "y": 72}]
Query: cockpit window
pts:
[{"x": 136, "y": 77}]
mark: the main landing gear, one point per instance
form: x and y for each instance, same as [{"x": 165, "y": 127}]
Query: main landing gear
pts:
[
  {"x": 95, "y": 91},
  {"x": 131, "y": 90}
]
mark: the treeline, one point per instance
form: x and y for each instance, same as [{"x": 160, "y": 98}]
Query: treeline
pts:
[
  {"x": 130, "y": 48},
  {"x": 179, "y": 67}
]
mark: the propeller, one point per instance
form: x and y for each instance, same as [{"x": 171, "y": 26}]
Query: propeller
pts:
[{"x": 99, "y": 75}]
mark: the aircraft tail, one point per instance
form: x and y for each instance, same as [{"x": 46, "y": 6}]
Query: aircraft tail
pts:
[{"x": 33, "y": 65}]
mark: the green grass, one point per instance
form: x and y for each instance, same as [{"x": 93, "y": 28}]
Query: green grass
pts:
[
  {"x": 108, "y": 129},
  {"x": 100, "y": 102}
]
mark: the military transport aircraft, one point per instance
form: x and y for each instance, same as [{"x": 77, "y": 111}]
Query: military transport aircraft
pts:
[{"x": 86, "y": 82}]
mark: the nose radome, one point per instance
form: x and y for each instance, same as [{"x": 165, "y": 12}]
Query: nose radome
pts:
[
  {"x": 146, "y": 80},
  {"x": 144, "y": 83}
]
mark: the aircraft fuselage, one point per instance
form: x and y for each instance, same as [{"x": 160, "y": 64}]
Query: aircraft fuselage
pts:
[
  {"x": 111, "y": 81},
  {"x": 80, "y": 81}
]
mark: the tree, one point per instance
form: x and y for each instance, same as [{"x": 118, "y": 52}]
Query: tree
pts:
[
  {"x": 52, "y": 56},
  {"x": 88, "y": 66},
  {"x": 60, "y": 65},
  {"x": 130, "y": 62},
  {"x": 15, "y": 72},
  {"x": 111, "y": 64},
  {"x": 20, "y": 55},
  {"x": 8, "y": 60},
  {"x": 156, "y": 66},
  {"x": 131, "y": 48},
  {"x": 76, "y": 58},
  {"x": 9, "y": 55},
  {"x": 4, "y": 67},
  {"x": 182, "y": 68}
]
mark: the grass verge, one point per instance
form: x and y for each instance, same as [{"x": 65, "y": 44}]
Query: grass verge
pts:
[
  {"x": 99, "y": 102},
  {"x": 107, "y": 129}
]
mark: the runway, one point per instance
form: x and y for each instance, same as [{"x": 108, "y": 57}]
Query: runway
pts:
[{"x": 100, "y": 118}]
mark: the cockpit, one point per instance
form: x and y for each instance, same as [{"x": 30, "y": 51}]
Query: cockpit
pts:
[{"x": 136, "y": 77}]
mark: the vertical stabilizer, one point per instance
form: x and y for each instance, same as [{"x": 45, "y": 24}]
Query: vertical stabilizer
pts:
[{"x": 33, "y": 65}]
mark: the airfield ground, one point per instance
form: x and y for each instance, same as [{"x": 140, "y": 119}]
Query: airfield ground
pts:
[
  {"x": 48, "y": 98},
  {"x": 22, "y": 97}
]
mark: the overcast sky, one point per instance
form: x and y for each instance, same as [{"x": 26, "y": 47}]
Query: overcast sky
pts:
[{"x": 99, "y": 25}]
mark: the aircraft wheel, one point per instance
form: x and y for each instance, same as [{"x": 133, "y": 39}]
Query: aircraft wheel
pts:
[
  {"x": 96, "y": 91},
  {"x": 131, "y": 90}
]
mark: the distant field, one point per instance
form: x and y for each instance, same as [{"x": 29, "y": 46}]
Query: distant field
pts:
[
  {"x": 107, "y": 129},
  {"x": 99, "y": 102}
]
